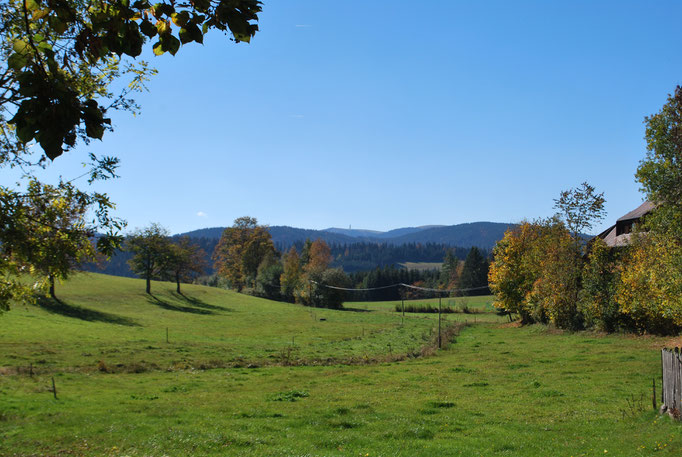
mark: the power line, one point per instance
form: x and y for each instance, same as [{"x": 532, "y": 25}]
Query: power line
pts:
[
  {"x": 400, "y": 284},
  {"x": 354, "y": 290}
]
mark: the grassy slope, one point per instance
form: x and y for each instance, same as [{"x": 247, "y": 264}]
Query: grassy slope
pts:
[
  {"x": 111, "y": 319},
  {"x": 496, "y": 391}
]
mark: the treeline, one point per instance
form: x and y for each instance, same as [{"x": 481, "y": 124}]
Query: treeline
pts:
[
  {"x": 454, "y": 278},
  {"x": 351, "y": 258},
  {"x": 246, "y": 260},
  {"x": 545, "y": 273},
  {"x": 365, "y": 256}
]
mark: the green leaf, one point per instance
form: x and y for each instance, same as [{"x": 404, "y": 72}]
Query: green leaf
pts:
[
  {"x": 18, "y": 61},
  {"x": 185, "y": 36},
  {"x": 180, "y": 19},
  {"x": 25, "y": 134},
  {"x": 158, "y": 48},
  {"x": 163, "y": 9},
  {"x": 242, "y": 37},
  {"x": 20, "y": 46},
  {"x": 201, "y": 5},
  {"x": 94, "y": 130},
  {"x": 172, "y": 44},
  {"x": 39, "y": 14},
  {"x": 141, "y": 5},
  {"x": 148, "y": 28},
  {"x": 59, "y": 25},
  {"x": 32, "y": 5}
]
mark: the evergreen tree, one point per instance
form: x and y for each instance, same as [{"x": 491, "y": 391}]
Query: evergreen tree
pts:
[
  {"x": 449, "y": 273},
  {"x": 474, "y": 273}
]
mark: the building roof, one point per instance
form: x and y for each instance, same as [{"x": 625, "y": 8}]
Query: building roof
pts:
[
  {"x": 609, "y": 235},
  {"x": 611, "y": 240},
  {"x": 640, "y": 211}
]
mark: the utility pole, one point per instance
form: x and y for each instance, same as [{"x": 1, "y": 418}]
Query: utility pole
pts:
[
  {"x": 402, "y": 300},
  {"x": 439, "y": 339}
]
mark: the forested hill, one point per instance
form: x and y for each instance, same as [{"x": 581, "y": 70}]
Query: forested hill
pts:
[
  {"x": 358, "y": 252},
  {"x": 480, "y": 234}
]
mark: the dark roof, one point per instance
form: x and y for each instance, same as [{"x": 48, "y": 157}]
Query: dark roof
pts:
[{"x": 640, "y": 211}]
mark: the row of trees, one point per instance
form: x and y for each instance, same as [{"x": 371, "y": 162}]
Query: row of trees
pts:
[
  {"x": 247, "y": 261},
  {"x": 545, "y": 272},
  {"x": 157, "y": 256}
]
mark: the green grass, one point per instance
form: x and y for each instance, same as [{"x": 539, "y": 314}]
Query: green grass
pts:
[
  {"x": 111, "y": 319},
  {"x": 497, "y": 390},
  {"x": 483, "y": 303}
]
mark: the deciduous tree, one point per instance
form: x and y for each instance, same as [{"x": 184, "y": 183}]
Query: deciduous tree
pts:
[
  {"x": 151, "y": 250},
  {"x": 47, "y": 231},
  {"x": 241, "y": 250},
  {"x": 185, "y": 262},
  {"x": 291, "y": 274}
]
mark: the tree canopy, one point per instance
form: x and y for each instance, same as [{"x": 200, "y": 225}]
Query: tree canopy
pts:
[
  {"x": 60, "y": 58},
  {"x": 151, "y": 249},
  {"x": 241, "y": 250}
]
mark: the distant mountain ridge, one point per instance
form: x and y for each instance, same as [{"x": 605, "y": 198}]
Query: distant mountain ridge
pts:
[{"x": 480, "y": 234}]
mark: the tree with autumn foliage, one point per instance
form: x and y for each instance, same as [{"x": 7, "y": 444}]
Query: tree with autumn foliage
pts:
[
  {"x": 291, "y": 274},
  {"x": 312, "y": 289},
  {"x": 515, "y": 269},
  {"x": 241, "y": 250},
  {"x": 650, "y": 289}
]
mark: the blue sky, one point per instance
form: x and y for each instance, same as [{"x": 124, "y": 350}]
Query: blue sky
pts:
[{"x": 385, "y": 114}]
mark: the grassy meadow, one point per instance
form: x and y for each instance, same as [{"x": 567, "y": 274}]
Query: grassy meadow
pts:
[{"x": 246, "y": 376}]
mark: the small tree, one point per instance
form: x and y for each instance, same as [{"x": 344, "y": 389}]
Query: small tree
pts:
[
  {"x": 328, "y": 297},
  {"x": 47, "y": 233},
  {"x": 268, "y": 277},
  {"x": 309, "y": 290},
  {"x": 151, "y": 250},
  {"x": 600, "y": 280},
  {"x": 580, "y": 209},
  {"x": 515, "y": 269},
  {"x": 449, "y": 273},
  {"x": 291, "y": 274},
  {"x": 186, "y": 261}
]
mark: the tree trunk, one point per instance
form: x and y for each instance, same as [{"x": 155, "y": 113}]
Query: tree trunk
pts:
[
  {"x": 51, "y": 279},
  {"x": 177, "y": 281},
  {"x": 149, "y": 286}
]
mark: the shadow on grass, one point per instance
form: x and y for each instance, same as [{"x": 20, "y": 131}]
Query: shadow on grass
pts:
[
  {"x": 57, "y": 306},
  {"x": 353, "y": 310},
  {"x": 183, "y": 309},
  {"x": 198, "y": 303}
]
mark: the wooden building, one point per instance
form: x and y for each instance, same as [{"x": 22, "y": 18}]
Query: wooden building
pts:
[{"x": 619, "y": 233}]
